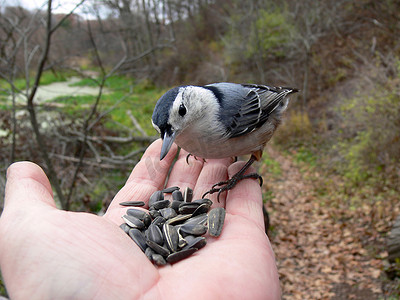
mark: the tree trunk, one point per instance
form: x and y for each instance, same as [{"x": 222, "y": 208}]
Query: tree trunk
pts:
[{"x": 393, "y": 241}]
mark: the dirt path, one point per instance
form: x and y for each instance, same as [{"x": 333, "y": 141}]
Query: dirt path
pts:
[
  {"x": 62, "y": 88},
  {"x": 319, "y": 256}
]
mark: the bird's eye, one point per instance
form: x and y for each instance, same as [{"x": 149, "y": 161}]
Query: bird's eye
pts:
[{"x": 182, "y": 110}]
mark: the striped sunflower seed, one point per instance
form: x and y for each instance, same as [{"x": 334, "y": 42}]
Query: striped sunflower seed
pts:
[
  {"x": 203, "y": 201},
  {"x": 216, "y": 218},
  {"x": 133, "y": 222},
  {"x": 188, "y": 194},
  {"x": 188, "y": 207},
  {"x": 140, "y": 214},
  {"x": 171, "y": 237},
  {"x": 202, "y": 209},
  {"x": 178, "y": 219}
]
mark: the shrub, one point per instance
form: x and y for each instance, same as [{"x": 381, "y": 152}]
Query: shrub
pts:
[{"x": 370, "y": 136}]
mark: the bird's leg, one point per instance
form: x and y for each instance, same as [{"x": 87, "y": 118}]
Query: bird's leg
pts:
[
  {"x": 189, "y": 155},
  {"x": 231, "y": 183}
]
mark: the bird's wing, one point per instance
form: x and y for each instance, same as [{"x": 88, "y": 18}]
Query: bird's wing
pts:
[{"x": 246, "y": 107}]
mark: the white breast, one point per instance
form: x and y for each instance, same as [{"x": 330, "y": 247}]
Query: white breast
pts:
[{"x": 215, "y": 147}]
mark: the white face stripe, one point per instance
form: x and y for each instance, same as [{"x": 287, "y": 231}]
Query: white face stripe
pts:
[{"x": 155, "y": 126}]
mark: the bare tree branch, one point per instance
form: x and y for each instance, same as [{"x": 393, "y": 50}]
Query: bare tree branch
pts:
[{"x": 31, "y": 109}]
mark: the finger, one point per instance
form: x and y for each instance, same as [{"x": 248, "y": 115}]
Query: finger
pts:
[
  {"x": 148, "y": 175},
  {"x": 27, "y": 186},
  {"x": 245, "y": 199},
  {"x": 214, "y": 171},
  {"x": 186, "y": 171}
]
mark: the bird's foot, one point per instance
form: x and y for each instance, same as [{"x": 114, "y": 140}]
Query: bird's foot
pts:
[
  {"x": 227, "y": 185},
  {"x": 189, "y": 155}
]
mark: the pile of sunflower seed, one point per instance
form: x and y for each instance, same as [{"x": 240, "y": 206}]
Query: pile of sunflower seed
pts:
[{"x": 172, "y": 230}]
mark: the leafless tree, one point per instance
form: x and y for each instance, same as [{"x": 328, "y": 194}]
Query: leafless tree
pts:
[{"x": 32, "y": 36}]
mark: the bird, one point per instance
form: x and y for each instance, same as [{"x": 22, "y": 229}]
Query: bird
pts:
[{"x": 221, "y": 120}]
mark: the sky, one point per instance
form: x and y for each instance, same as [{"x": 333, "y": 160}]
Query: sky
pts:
[{"x": 59, "y": 6}]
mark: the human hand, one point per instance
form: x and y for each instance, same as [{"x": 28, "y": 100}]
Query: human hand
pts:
[{"x": 47, "y": 253}]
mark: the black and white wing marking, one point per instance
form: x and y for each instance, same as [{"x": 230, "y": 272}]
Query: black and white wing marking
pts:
[{"x": 247, "y": 107}]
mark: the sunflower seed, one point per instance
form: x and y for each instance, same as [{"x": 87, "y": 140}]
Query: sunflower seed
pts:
[
  {"x": 216, "y": 218},
  {"x": 178, "y": 219},
  {"x": 171, "y": 237},
  {"x": 187, "y": 194},
  {"x": 154, "y": 213},
  {"x": 161, "y": 204},
  {"x": 189, "y": 238},
  {"x": 202, "y": 209},
  {"x": 188, "y": 207},
  {"x": 177, "y": 195},
  {"x": 125, "y": 227},
  {"x": 197, "y": 242},
  {"x": 181, "y": 242},
  {"x": 133, "y": 222},
  {"x": 138, "y": 238},
  {"x": 175, "y": 205},
  {"x": 168, "y": 212},
  {"x": 132, "y": 203},
  {"x": 149, "y": 253},
  {"x": 172, "y": 229},
  {"x": 140, "y": 214},
  {"x": 177, "y": 256},
  {"x": 158, "y": 259},
  {"x": 202, "y": 201},
  {"x": 153, "y": 233},
  {"x": 200, "y": 219},
  {"x": 193, "y": 229},
  {"x": 157, "y": 248},
  {"x": 156, "y": 196},
  {"x": 159, "y": 221},
  {"x": 170, "y": 189}
]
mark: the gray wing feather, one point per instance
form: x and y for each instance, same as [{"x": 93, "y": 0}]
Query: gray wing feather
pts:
[{"x": 245, "y": 107}]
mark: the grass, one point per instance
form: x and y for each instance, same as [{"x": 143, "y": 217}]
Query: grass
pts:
[{"x": 125, "y": 95}]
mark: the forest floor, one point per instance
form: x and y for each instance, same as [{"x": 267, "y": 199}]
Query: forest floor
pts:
[{"x": 322, "y": 251}]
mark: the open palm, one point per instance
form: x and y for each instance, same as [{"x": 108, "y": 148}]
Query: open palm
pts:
[{"x": 47, "y": 253}]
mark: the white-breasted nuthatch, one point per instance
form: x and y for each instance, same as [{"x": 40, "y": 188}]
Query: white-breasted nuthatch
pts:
[{"x": 220, "y": 120}]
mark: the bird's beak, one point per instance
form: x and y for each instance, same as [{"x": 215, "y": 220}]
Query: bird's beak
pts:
[{"x": 168, "y": 140}]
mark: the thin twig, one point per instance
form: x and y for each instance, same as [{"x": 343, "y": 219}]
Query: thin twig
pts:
[
  {"x": 86, "y": 126},
  {"x": 136, "y": 123}
]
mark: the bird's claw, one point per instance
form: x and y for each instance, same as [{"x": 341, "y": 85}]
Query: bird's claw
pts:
[
  {"x": 231, "y": 183},
  {"x": 187, "y": 158}
]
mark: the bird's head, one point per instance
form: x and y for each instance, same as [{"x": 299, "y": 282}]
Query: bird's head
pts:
[{"x": 181, "y": 108}]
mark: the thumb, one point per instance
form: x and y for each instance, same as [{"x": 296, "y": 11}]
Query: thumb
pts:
[{"x": 27, "y": 186}]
